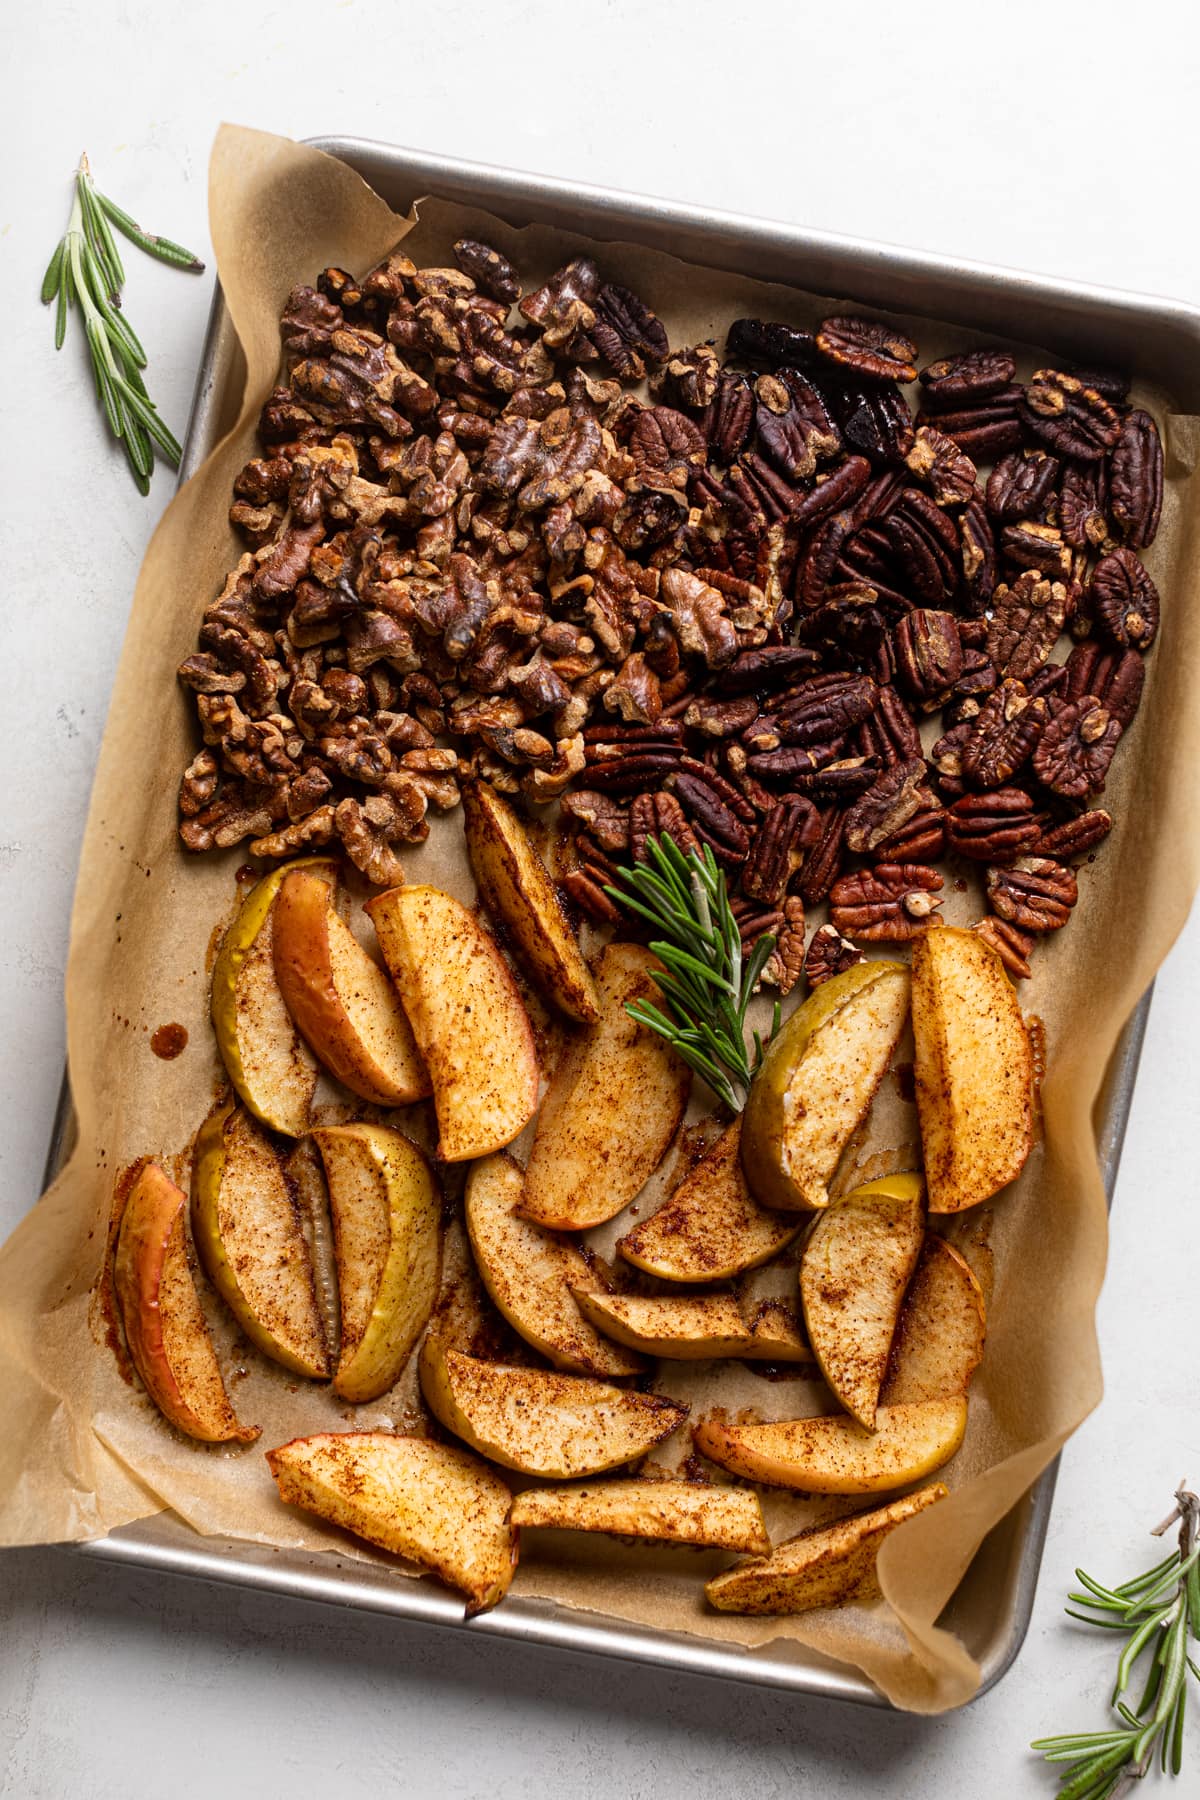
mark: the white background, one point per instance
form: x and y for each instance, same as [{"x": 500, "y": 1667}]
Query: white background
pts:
[{"x": 1052, "y": 137}]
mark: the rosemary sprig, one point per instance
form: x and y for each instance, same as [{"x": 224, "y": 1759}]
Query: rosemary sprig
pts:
[
  {"x": 86, "y": 272},
  {"x": 704, "y": 981},
  {"x": 1158, "y": 1611}
]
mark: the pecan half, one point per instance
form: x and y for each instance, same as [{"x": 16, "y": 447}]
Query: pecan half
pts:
[
  {"x": 973, "y": 374},
  {"x": 714, "y": 822},
  {"x": 666, "y": 447},
  {"x": 875, "y": 421},
  {"x": 1010, "y": 724},
  {"x": 869, "y": 347},
  {"x": 1077, "y": 748},
  {"x": 1083, "y": 505},
  {"x": 938, "y": 461},
  {"x": 1075, "y": 837},
  {"x": 992, "y": 828},
  {"x": 825, "y": 708},
  {"x": 1011, "y": 944},
  {"x": 492, "y": 273},
  {"x": 1020, "y": 484},
  {"x": 1124, "y": 601},
  {"x": 767, "y": 341},
  {"x": 888, "y": 904},
  {"x": 1136, "y": 480},
  {"x": 1115, "y": 679},
  {"x": 1032, "y": 546},
  {"x": 921, "y": 839},
  {"x": 785, "y": 965},
  {"x": 829, "y": 954},
  {"x": 823, "y": 864},
  {"x": 590, "y": 897},
  {"x": 777, "y": 848},
  {"x": 928, "y": 655},
  {"x": 658, "y": 815},
  {"x": 1035, "y": 893},
  {"x": 889, "y": 803},
  {"x": 626, "y": 333},
  {"x": 773, "y": 666},
  {"x": 1027, "y": 621},
  {"x": 1073, "y": 419},
  {"x": 978, "y": 556}
]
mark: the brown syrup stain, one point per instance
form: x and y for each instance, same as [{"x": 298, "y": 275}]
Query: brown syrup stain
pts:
[
  {"x": 904, "y": 1078},
  {"x": 169, "y": 1041}
]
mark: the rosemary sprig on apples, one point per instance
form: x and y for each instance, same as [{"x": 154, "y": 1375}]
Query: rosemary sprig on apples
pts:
[
  {"x": 86, "y": 272},
  {"x": 1158, "y": 1611},
  {"x": 706, "y": 984}
]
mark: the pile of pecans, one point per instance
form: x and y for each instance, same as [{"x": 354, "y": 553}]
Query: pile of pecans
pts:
[{"x": 717, "y": 606}]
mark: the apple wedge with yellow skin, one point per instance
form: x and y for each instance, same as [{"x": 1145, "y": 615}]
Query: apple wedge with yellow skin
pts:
[
  {"x": 272, "y": 1069},
  {"x": 973, "y": 1069},
  {"x": 817, "y": 1080},
  {"x": 432, "y": 1503},
  {"x": 518, "y": 892},
  {"x": 542, "y": 1423},
  {"x": 669, "y": 1512},
  {"x": 612, "y": 1108},
  {"x": 857, "y": 1264},
  {"x": 711, "y": 1227},
  {"x": 165, "y": 1327},
  {"x": 939, "y": 1340},
  {"x": 530, "y": 1272},
  {"x": 249, "y": 1236},
  {"x": 343, "y": 1004},
  {"x": 467, "y": 1016},
  {"x": 824, "y": 1566},
  {"x": 386, "y": 1212},
  {"x": 693, "y": 1328},
  {"x": 835, "y": 1455}
]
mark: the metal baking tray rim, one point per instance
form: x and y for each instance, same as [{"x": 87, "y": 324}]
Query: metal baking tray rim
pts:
[{"x": 832, "y": 263}]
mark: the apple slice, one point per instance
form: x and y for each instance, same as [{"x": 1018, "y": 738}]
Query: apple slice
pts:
[
  {"x": 693, "y": 1328},
  {"x": 856, "y": 1266},
  {"x": 518, "y": 892},
  {"x": 386, "y": 1213},
  {"x": 165, "y": 1327},
  {"x": 558, "y": 1426},
  {"x": 939, "y": 1340},
  {"x": 973, "y": 1069},
  {"x": 612, "y": 1108},
  {"x": 824, "y": 1566},
  {"x": 835, "y": 1455},
  {"x": 817, "y": 1081},
  {"x": 530, "y": 1273},
  {"x": 712, "y": 1227},
  {"x": 467, "y": 1016},
  {"x": 248, "y": 1233},
  {"x": 673, "y": 1512},
  {"x": 342, "y": 1002},
  {"x": 271, "y": 1067},
  {"x": 432, "y": 1503}
]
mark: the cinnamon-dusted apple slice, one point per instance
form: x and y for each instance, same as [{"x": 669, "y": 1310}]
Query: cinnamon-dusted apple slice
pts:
[
  {"x": 343, "y": 1003},
  {"x": 612, "y": 1108},
  {"x": 824, "y": 1566},
  {"x": 853, "y": 1275},
  {"x": 467, "y": 1016},
  {"x": 433, "y": 1503},
  {"x": 530, "y": 1272},
  {"x": 672, "y": 1512},
  {"x": 518, "y": 892},
  {"x": 694, "y": 1327},
  {"x": 711, "y": 1227},
  {"x": 271, "y": 1067},
  {"x": 973, "y": 1069},
  {"x": 386, "y": 1213},
  {"x": 939, "y": 1339},
  {"x": 248, "y": 1233},
  {"x": 816, "y": 1082},
  {"x": 835, "y": 1455},
  {"x": 559, "y": 1426},
  {"x": 165, "y": 1327}
]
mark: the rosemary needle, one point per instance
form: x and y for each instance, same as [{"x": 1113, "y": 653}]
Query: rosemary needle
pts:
[
  {"x": 86, "y": 272},
  {"x": 704, "y": 981}
]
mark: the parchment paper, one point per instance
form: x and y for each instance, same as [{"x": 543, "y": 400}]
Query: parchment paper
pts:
[{"x": 85, "y": 1452}]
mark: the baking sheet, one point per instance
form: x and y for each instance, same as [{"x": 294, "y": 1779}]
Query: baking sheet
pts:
[{"x": 126, "y": 968}]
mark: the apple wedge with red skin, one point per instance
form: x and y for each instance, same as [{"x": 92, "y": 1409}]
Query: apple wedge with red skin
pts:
[
  {"x": 165, "y": 1327},
  {"x": 343, "y": 1004}
]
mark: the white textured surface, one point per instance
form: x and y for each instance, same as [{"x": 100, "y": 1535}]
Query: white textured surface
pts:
[{"x": 1030, "y": 135}]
